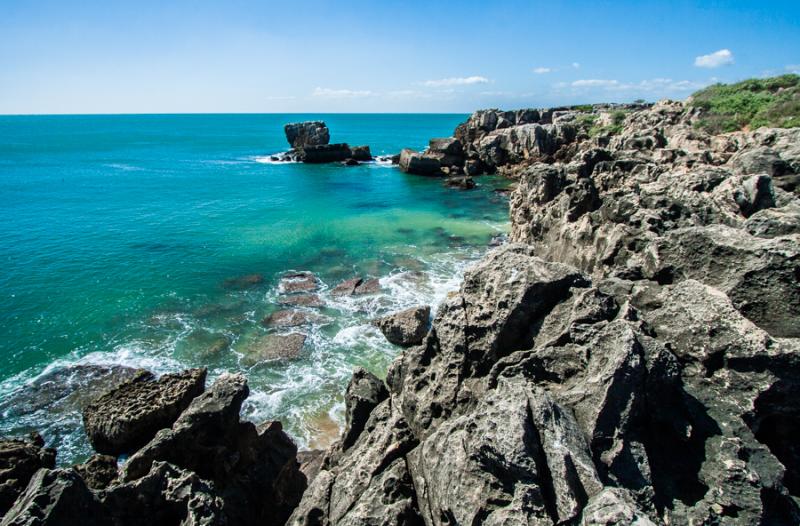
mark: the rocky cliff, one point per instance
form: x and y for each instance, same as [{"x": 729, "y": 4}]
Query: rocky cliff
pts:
[{"x": 631, "y": 357}]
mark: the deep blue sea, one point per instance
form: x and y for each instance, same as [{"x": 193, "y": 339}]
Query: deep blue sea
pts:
[{"x": 120, "y": 237}]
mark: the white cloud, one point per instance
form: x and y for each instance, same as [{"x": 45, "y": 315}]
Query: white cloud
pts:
[
  {"x": 340, "y": 93},
  {"x": 595, "y": 83},
  {"x": 723, "y": 57},
  {"x": 793, "y": 68},
  {"x": 541, "y": 71},
  {"x": 456, "y": 81},
  {"x": 576, "y": 65}
]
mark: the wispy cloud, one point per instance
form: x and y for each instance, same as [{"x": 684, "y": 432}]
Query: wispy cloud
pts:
[
  {"x": 576, "y": 65},
  {"x": 340, "y": 93},
  {"x": 594, "y": 83},
  {"x": 456, "y": 81},
  {"x": 723, "y": 57},
  {"x": 793, "y": 68},
  {"x": 542, "y": 71}
]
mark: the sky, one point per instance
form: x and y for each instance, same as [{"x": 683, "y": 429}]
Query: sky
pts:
[{"x": 315, "y": 56}]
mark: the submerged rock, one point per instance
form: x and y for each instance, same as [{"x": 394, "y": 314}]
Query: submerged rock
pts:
[
  {"x": 405, "y": 328},
  {"x": 286, "y": 318},
  {"x": 356, "y": 287},
  {"x": 243, "y": 282},
  {"x": 298, "y": 282},
  {"x": 127, "y": 417},
  {"x": 275, "y": 347},
  {"x": 302, "y": 300}
]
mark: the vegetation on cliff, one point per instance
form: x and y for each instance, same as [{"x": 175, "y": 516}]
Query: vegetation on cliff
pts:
[{"x": 773, "y": 102}]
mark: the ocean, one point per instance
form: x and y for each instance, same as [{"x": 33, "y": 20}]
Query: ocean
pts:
[{"x": 123, "y": 240}]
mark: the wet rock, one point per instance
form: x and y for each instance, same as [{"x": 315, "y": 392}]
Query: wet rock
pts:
[
  {"x": 286, "y": 318},
  {"x": 350, "y": 162},
  {"x": 56, "y": 496},
  {"x": 356, "y": 287},
  {"x": 253, "y": 468},
  {"x": 276, "y": 347},
  {"x": 19, "y": 461},
  {"x": 326, "y": 153},
  {"x": 302, "y": 300},
  {"x": 361, "y": 153},
  {"x": 243, "y": 282},
  {"x": 462, "y": 183},
  {"x": 309, "y": 133},
  {"x": 127, "y": 417},
  {"x": 98, "y": 471},
  {"x": 405, "y": 328},
  {"x": 298, "y": 282},
  {"x": 65, "y": 389},
  {"x": 364, "y": 392}
]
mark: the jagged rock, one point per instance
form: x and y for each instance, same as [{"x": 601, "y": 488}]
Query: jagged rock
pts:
[
  {"x": 311, "y": 463},
  {"x": 407, "y": 327},
  {"x": 98, "y": 471},
  {"x": 254, "y": 469},
  {"x": 613, "y": 507},
  {"x": 759, "y": 275},
  {"x": 417, "y": 163},
  {"x": 364, "y": 392},
  {"x": 309, "y": 133},
  {"x": 325, "y": 153},
  {"x": 462, "y": 183},
  {"x": 19, "y": 461},
  {"x": 759, "y": 160},
  {"x": 56, "y": 497},
  {"x": 165, "y": 495},
  {"x": 774, "y": 222},
  {"x": 127, "y": 417},
  {"x": 275, "y": 347}
]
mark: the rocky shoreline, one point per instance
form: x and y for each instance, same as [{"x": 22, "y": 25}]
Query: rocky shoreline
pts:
[{"x": 631, "y": 356}]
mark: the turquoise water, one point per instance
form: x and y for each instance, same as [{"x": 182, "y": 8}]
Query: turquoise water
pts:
[{"x": 118, "y": 233}]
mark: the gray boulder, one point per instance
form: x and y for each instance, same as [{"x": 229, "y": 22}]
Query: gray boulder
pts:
[
  {"x": 418, "y": 163},
  {"x": 309, "y": 133},
  {"x": 126, "y": 418},
  {"x": 407, "y": 327}
]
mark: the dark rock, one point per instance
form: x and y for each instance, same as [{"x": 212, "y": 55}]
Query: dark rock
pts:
[
  {"x": 243, "y": 282},
  {"x": 759, "y": 160},
  {"x": 361, "y": 153},
  {"x": 310, "y": 133},
  {"x": 56, "y": 496},
  {"x": 350, "y": 162},
  {"x": 127, "y": 417},
  {"x": 98, "y": 471},
  {"x": 327, "y": 153},
  {"x": 472, "y": 167},
  {"x": 253, "y": 469},
  {"x": 405, "y": 328},
  {"x": 416, "y": 163},
  {"x": 364, "y": 392},
  {"x": 276, "y": 347},
  {"x": 19, "y": 461},
  {"x": 462, "y": 183}
]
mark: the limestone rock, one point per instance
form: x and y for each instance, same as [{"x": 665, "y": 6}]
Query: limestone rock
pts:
[
  {"x": 276, "y": 347},
  {"x": 19, "y": 461},
  {"x": 127, "y": 417},
  {"x": 407, "y": 327},
  {"x": 309, "y": 133}
]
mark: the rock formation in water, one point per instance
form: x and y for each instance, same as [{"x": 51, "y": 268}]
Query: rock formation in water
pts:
[
  {"x": 630, "y": 357},
  {"x": 310, "y": 144}
]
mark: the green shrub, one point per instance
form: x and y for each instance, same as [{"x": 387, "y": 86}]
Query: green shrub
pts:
[{"x": 752, "y": 103}]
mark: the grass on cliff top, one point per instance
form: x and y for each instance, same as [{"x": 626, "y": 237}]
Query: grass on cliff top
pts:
[{"x": 750, "y": 104}]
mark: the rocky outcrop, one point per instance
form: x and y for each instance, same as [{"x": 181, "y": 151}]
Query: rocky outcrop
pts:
[
  {"x": 275, "y": 347},
  {"x": 127, "y": 417},
  {"x": 19, "y": 461},
  {"x": 325, "y": 153},
  {"x": 631, "y": 357},
  {"x": 309, "y": 133},
  {"x": 407, "y": 327},
  {"x": 98, "y": 471},
  {"x": 356, "y": 287}
]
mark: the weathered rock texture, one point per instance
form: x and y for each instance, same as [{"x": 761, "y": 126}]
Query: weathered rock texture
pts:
[
  {"x": 127, "y": 417},
  {"x": 631, "y": 357},
  {"x": 405, "y": 328},
  {"x": 19, "y": 461}
]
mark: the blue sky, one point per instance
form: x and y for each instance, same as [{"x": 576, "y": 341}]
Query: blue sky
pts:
[{"x": 429, "y": 56}]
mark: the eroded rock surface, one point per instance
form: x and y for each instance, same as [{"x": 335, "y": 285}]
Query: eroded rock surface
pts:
[{"x": 407, "y": 327}]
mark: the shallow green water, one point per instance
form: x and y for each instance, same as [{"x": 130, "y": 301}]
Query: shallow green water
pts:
[{"x": 118, "y": 233}]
